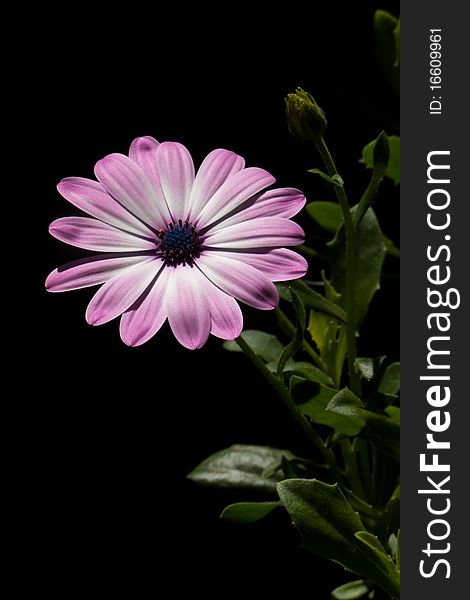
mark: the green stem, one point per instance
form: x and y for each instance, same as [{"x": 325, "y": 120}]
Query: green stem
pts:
[
  {"x": 283, "y": 392},
  {"x": 289, "y": 328},
  {"x": 310, "y": 252},
  {"x": 350, "y": 264},
  {"x": 351, "y": 470}
]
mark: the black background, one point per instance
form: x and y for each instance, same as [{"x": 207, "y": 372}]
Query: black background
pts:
[{"x": 117, "y": 429}]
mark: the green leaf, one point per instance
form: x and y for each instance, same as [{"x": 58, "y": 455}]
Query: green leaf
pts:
[
  {"x": 389, "y": 520},
  {"x": 394, "y": 413},
  {"x": 240, "y": 466},
  {"x": 393, "y": 169},
  {"x": 396, "y": 35},
  {"x": 265, "y": 345},
  {"x": 381, "y": 154},
  {"x": 335, "y": 180},
  {"x": 322, "y": 329},
  {"x": 379, "y": 428},
  {"x": 371, "y": 547},
  {"x": 327, "y": 214},
  {"x": 329, "y": 527},
  {"x": 296, "y": 342},
  {"x": 370, "y": 255},
  {"x": 397, "y": 558},
  {"x": 312, "y": 299},
  {"x": 312, "y": 373},
  {"x": 248, "y": 512},
  {"x": 369, "y": 367},
  {"x": 390, "y": 382},
  {"x": 351, "y": 590},
  {"x": 387, "y": 46},
  {"x": 324, "y": 519},
  {"x": 312, "y": 400},
  {"x": 391, "y": 248}
]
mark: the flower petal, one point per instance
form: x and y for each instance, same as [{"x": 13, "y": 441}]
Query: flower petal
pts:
[
  {"x": 215, "y": 169},
  {"x": 89, "y": 271},
  {"x": 127, "y": 183},
  {"x": 91, "y": 197},
  {"x": 257, "y": 233},
  {"x": 145, "y": 317},
  {"x": 120, "y": 292},
  {"x": 280, "y": 202},
  {"x": 239, "y": 280},
  {"x": 143, "y": 151},
  {"x": 226, "y": 316},
  {"x": 280, "y": 264},
  {"x": 238, "y": 188},
  {"x": 176, "y": 171},
  {"x": 95, "y": 235},
  {"x": 188, "y": 311}
]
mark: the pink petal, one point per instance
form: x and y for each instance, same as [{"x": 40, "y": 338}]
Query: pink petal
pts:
[
  {"x": 91, "y": 197},
  {"x": 281, "y": 202},
  {"x": 176, "y": 170},
  {"x": 239, "y": 280},
  {"x": 143, "y": 151},
  {"x": 127, "y": 183},
  {"x": 188, "y": 311},
  {"x": 226, "y": 316},
  {"x": 145, "y": 317},
  {"x": 215, "y": 169},
  {"x": 238, "y": 188},
  {"x": 95, "y": 235},
  {"x": 89, "y": 271},
  {"x": 280, "y": 264},
  {"x": 120, "y": 292},
  {"x": 256, "y": 233}
]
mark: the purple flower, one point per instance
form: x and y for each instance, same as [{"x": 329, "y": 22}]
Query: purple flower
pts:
[{"x": 178, "y": 245}]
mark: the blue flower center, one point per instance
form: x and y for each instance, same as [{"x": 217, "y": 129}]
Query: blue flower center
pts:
[{"x": 179, "y": 244}]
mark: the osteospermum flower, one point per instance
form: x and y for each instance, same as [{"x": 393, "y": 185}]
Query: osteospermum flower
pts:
[{"x": 178, "y": 245}]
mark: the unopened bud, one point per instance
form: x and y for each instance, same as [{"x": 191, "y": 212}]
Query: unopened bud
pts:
[{"x": 305, "y": 118}]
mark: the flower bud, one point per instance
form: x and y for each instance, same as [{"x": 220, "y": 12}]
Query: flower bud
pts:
[{"x": 305, "y": 118}]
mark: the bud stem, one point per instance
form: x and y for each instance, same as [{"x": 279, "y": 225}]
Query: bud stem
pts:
[{"x": 351, "y": 270}]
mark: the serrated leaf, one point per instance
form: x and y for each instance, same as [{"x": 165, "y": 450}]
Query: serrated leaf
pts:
[
  {"x": 387, "y": 46},
  {"x": 370, "y": 255},
  {"x": 329, "y": 526},
  {"x": 351, "y": 590},
  {"x": 390, "y": 381},
  {"x": 265, "y": 345},
  {"x": 324, "y": 519},
  {"x": 369, "y": 367},
  {"x": 312, "y": 400},
  {"x": 248, "y": 512},
  {"x": 327, "y": 214},
  {"x": 393, "y": 169},
  {"x": 379, "y": 428},
  {"x": 240, "y": 466},
  {"x": 371, "y": 547}
]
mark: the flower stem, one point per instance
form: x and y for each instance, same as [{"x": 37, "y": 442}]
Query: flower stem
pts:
[
  {"x": 350, "y": 264},
  {"x": 285, "y": 396},
  {"x": 351, "y": 469}
]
